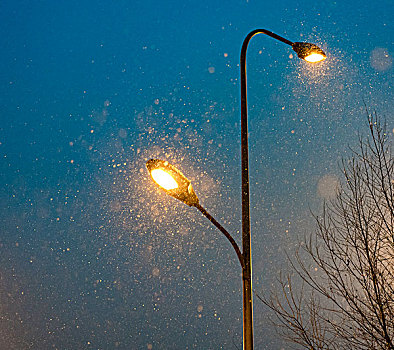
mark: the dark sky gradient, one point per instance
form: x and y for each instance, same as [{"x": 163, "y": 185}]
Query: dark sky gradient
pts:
[{"x": 92, "y": 255}]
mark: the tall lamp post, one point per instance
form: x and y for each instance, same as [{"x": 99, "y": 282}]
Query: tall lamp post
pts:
[
  {"x": 310, "y": 53},
  {"x": 175, "y": 184}
]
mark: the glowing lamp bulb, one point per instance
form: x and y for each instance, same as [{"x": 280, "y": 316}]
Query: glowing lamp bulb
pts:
[
  {"x": 309, "y": 52},
  {"x": 315, "y": 57},
  {"x": 164, "y": 179}
]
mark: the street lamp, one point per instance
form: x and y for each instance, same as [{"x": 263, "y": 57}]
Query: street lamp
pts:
[{"x": 175, "y": 184}]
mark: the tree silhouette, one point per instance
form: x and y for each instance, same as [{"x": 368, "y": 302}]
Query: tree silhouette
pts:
[{"x": 346, "y": 267}]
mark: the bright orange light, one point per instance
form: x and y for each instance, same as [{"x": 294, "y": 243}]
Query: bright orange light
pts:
[
  {"x": 164, "y": 179},
  {"x": 315, "y": 57}
]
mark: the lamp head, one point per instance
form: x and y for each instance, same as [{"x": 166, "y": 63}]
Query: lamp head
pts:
[
  {"x": 172, "y": 181},
  {"x": 309, "y": 52}
]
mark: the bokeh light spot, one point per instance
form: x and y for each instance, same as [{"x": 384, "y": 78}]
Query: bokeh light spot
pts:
[
  {"x": 380, "y": 59},
  {"x": 328, "y": 186}
]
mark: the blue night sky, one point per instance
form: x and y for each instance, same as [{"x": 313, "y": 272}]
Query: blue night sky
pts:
[{"x": 92, "y": 254}]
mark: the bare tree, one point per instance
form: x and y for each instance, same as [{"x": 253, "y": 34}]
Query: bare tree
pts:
[{"x": 346, "y": 267}]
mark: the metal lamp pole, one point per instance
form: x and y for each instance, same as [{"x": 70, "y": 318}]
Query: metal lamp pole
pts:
[
  {"x": 175, "y": 184},
  {"x": 304, "y": 50}
]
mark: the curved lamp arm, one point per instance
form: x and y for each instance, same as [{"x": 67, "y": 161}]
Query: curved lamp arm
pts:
[
  {"x": 224, "y": 231},
  {"x": 306, "y": 51},
  {"x": 246, "y": 242}
]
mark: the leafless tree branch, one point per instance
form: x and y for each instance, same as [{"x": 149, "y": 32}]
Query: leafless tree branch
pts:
[{"x": 346, "y": 267}]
